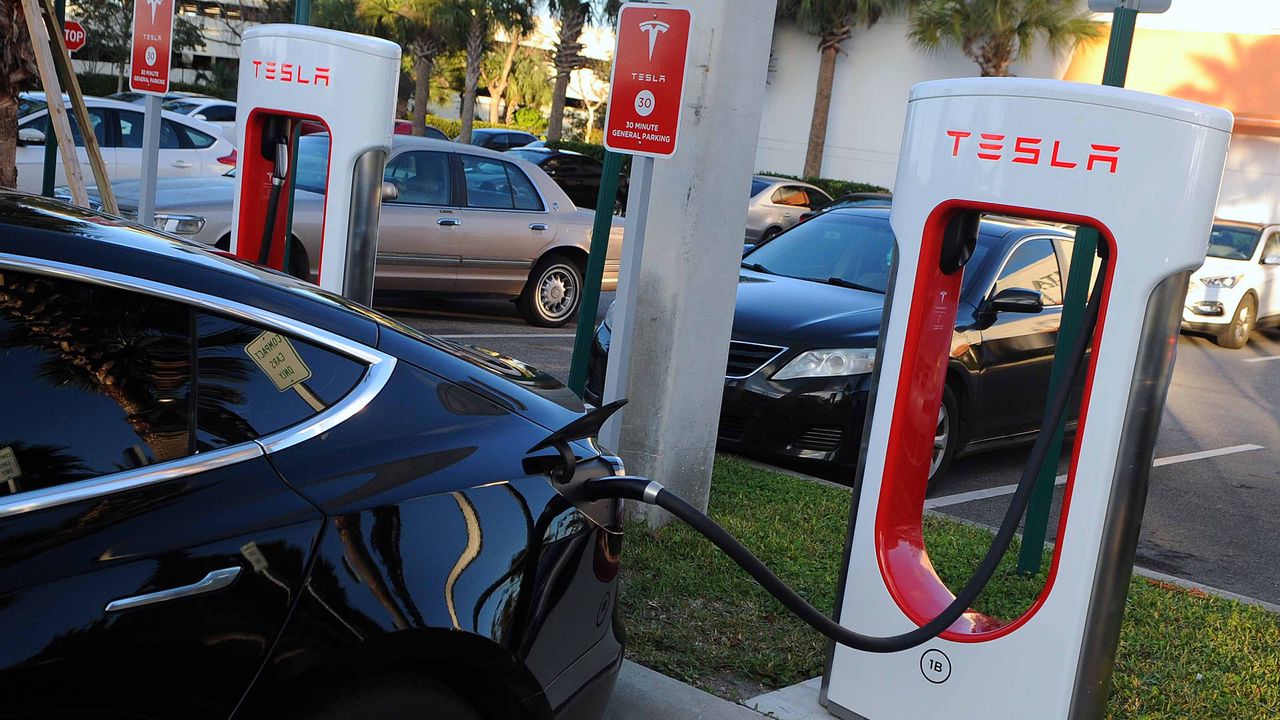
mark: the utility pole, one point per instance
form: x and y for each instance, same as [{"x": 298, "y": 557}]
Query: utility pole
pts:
[
  {"x": 1120, "y": 44},
  {"x": 683, "y": 292}
]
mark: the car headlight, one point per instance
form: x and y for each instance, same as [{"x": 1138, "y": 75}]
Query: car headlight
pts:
[
  {"x": 179, "y": 224},
  {"x": 1222, "y": 281},
  {"x": 829, "y": 363}
]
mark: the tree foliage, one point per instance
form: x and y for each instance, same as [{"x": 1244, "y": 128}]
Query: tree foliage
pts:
[{"x": 994, "y": 33}]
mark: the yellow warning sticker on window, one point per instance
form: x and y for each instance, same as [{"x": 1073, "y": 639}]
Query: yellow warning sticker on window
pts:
[
  {"x": 277, "y": 358},
  {"x": 9, "y": 469}
]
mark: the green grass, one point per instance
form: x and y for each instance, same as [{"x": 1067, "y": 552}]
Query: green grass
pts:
[{"x": 692, "y": 614}]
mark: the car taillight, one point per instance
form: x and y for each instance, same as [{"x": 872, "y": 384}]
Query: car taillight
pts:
[{"x": 229, "y": 159}]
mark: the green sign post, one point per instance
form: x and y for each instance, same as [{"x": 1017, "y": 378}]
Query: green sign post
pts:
[
  {"x": 605, "y": 204},
  {"x": 1082, "y": 257}
]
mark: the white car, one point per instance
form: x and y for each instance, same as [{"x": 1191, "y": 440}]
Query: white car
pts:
[
  {"x": 212, "y": 110},
  {"x": 188, "y": 147},
  {"x": 1238, "y": 287}
]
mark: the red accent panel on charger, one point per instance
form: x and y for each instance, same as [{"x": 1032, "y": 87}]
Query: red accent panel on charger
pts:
[
  {"x": 904, "y": 562},
  {"x": 255, "y": 173}
]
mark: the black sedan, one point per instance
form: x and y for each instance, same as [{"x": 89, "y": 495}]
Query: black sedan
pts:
[
  {"x": 807, "y": 323},
  {"x": 225, "y": 493},
  {"x": 578, "y": 175}
]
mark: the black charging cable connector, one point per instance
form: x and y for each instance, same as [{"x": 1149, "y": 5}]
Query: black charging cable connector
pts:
[
  {"x": 653, "y": 493},
  {"x": 279, "y": 173}
]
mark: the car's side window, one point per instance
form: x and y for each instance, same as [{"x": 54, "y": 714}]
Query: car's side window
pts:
[
  {"x": 1033, "y": 265},
  {"x": 421, "y": 177},
  {"x": 791, "y": 195},
  {"x": 96, "y": 381},
  {"x": 253, "y": 381},
  {"x": 219, "y": 113},
  {"x": 189, "y": 137},
  {"x": 498, "y": 185},
  {"x": 97, "y": 116}
]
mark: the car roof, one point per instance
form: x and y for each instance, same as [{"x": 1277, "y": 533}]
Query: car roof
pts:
[
  {"x": 992, "y": 226},
  {"x": 1240, "y": 224},
  {"x": 405, "y": 142}
]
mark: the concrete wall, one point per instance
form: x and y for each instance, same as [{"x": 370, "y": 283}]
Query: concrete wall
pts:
[
  {"x": 1251, "y": 184},
  {"x": 869, "y": 102}
]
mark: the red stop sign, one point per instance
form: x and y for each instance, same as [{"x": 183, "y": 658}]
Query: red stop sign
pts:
[{"x": 73, "y": 32}]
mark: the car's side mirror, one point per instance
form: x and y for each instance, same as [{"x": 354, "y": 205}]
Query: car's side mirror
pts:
[
  {"x": 30, "y": 136},
  {"x": 390, "y": 192},
  {"x": 1272, "y": 259},
  {"x": 200, "y": 116},
  {"x": 1016, "y": 300}
]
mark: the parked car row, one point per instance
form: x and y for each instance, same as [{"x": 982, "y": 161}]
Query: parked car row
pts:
[
  {"x": 190, "y": 531},
  {"x": 466, "y": 222}
]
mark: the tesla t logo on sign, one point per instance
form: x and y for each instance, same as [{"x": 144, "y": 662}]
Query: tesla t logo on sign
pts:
[
  {"x": 647, "y": 87},
  {"x": 152, "y": 43}
]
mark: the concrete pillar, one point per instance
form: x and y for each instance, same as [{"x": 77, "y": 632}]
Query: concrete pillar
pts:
[{"x": 686, "y": 284}]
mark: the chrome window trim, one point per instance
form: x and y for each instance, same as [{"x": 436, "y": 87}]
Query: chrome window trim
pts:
[
  {"x": 46, "y": 498},
  {"x": 380, "y": 367},
  {"x": 1005, "y": 261},
  {"x": 775, "y": 356}
]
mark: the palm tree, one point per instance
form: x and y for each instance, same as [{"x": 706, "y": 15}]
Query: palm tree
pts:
[
  {"x": 996, "y": 32},
  {"x": 573, "y": 16},
  {"x": 833, "y": 22},
  {"x": 496, "y": 73},
  {"x": 426, "y": 29},
  {"x": 17, "y": 69},
  {"x": 486, "y": 15},
  {"x": 529, "y": 86}
]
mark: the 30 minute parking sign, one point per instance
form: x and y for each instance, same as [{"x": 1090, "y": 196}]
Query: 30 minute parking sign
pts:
[{"x": 647, "y": 86}]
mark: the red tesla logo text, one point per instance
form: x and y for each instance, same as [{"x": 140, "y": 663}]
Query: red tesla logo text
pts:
[
  {"x": 1034, "y": 151},
  {"x": 291, "y": 73}
]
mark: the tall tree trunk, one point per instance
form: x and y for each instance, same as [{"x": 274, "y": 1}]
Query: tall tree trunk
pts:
[
  {"x": 423, "y": 66},
  {"x": 475, "y": 53},
  {"x": 568, "y": 57},
  {"x": 8, "y": 141},
  {"x": 499, "y": 89},
  {"x": 513, "y": 104},
  {"x": 830, "y": 50}
]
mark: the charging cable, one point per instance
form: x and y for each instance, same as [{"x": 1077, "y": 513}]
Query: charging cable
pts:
[
  {"x": 278, "y": 175},
  {"x": 653, "y": 493}
]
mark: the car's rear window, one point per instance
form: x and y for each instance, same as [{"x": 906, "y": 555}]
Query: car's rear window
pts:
[{"x": 758, "y": 186}]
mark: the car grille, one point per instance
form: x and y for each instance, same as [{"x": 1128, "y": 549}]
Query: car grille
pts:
[
  {"x": 731, "y": 428},
  {"x": 745, "y": 358},
  {"x": 820, "y": 439}
]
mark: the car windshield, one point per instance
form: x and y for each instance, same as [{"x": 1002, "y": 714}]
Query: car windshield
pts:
[
  {"x": 313, "y": 163},
  {"x": 758, "y": 186},
  {"x": 836, "y": 248},
  {"x": 182, "y": 107},
  {"x": 1233, "y": 243}
]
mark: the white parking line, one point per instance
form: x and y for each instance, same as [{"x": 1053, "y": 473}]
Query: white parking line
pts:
[
  {"x": 506, "y": 335},
  {"x": 1263, "y": 359},
  {"x": 961, "y": 498}
]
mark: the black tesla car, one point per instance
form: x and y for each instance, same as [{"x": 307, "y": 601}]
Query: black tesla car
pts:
[
  {"x": 227, "y": 494},
  {"x": 577, "y": 174},
  {"x": 807, "y": 323}
]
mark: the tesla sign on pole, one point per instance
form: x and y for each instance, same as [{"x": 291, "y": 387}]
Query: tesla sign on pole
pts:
[
  {"x": 149, "y": 74},
  {"x": 647, "y": 87},
  {"x": 152, "y": 43}
]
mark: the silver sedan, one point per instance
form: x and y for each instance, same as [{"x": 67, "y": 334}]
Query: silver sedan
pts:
[
  {"x": 777, "y": 204},
  {"x": 468, "y": 221}
]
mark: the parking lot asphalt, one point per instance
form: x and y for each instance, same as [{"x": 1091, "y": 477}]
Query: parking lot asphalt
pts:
[{"x": 1213, "y": 512}]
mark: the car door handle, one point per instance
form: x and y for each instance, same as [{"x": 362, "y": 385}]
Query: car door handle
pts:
[
  {"x": 182, "y": 164},
  {"x": 216, "y": 580},
  {"x": 449, "y": 222},
  {"x": 540, "y": 227}
]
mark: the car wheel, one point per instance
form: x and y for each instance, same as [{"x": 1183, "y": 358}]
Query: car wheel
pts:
[
  {"x": 1236, "y": 335},
  {"x": 553, "y": 293},
  {"x": 945, "y": 436},
  {"x": 769, "y": 234},
  {"x": 393, "y": 697}
]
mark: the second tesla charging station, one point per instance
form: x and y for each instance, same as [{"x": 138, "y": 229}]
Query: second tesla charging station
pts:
[
  {"x": 1144, "y": 171},
  {"x": 346, "y": 83}
]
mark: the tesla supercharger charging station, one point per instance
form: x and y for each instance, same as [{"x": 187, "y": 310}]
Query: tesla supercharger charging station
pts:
[
  {"x": 1144, "y": 170},
  {"x": 345, "y": 82}
]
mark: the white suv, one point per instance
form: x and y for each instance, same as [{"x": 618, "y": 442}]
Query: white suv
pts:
[{"x": 1238, "y": 287}]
